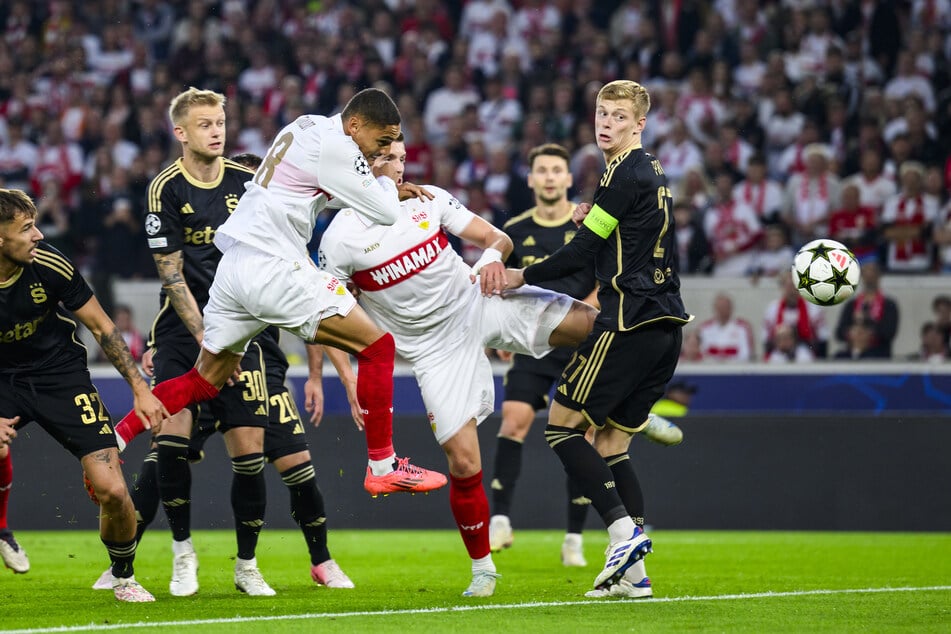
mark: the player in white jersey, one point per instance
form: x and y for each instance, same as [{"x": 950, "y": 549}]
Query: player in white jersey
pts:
[
  {"x": 266, "y": 278},
  {"x": 414, "y": 284}
]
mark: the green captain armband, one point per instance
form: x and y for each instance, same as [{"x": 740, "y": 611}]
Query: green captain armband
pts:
[{"x": 600, "y": 221}]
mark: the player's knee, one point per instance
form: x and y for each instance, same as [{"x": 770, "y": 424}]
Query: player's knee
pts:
[
  {"x": 383, "y": 350},
  {"x": 249, "y": 464},
  {"x": 555, "y": 435},
  {"x": 111, "y": 493}
]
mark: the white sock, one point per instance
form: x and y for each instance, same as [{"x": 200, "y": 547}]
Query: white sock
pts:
[
  {"x": 183, "y": 547},
  {"x": 484, "y": 564},
  {"x": 245, "y": 563},
  {"x": 621, "y": 530},
  {"x": 573, "y": 538},
  {"x": 382, "y": 467}
]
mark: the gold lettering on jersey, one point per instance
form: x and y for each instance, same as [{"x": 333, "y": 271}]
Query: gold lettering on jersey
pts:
[
  {"x": 658, "y": 276},
  {"x": 231, "y": 201},
  {"x": 568, "y": 236},
  {"x": 528, "y": 242},
  {"x": 22, "y": 330},
  {"x": 38, "y": 293},
  {"x": 657, "y": 167},
  {"x": 187, "y": 208},
  {"x": 532, "y": 259},
  {"x": 200, "y": 236},
  {"x": 372, "y": 247}
]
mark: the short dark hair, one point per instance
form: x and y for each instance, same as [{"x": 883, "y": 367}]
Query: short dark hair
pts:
[
  {"x": 374, "y": 106},
  {"x": 248, "y": 159},
  {"x": 14, "y": 202},
  {"x": 548, "y": 149}
]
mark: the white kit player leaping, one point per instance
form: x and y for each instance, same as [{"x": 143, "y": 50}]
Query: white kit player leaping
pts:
[
  {"x": 414, "y": 285},
  {"x": 266, "y": 277}
]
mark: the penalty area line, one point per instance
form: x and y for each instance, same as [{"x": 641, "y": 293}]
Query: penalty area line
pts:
[{"x": 470, "y": 608}]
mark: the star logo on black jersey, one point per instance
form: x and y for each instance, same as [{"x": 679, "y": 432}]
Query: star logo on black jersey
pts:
[{"x": 153, "y": 224}]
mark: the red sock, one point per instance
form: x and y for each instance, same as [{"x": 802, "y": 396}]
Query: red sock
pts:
[
  {"x": 6, "y": 481},
  {"x": 176, "y": 394},
  {"x": 375, "y": 394},
  {"x": 470, "y": 507}
]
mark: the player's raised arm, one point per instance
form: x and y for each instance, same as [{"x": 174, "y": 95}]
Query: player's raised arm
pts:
[
  {"x": 113, "y": 345},
  {"x": 496, "y": 247}
]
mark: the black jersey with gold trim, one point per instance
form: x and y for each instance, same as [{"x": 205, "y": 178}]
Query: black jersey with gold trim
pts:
[
  {"x": 636, "y": 266},
  {"x": 36, "y": 333},
  {"x": 183, "y": 214},
  {"x": 534, "y": 238}
]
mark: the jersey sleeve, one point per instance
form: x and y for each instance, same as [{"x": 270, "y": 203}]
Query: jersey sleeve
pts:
[
  {"x": 453, "y": 215},
  {"x": 163, "y": 223},
  {"x": 569, "y": 259},
  {"x": 62, "y": 278},
  {"x": 344, "y": 173}
]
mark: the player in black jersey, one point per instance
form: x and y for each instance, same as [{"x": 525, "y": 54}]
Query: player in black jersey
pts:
[
  {"x": 44, "y": 375},
  {"x": 536, "y": 234},
  {"x": 620, "y": 371}
]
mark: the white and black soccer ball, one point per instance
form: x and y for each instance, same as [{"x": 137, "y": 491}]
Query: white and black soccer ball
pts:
[{"x": 825, "y": 272}]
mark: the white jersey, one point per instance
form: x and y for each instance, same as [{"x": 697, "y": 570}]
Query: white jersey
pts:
[
  {"x": 426, "y": 282},
  {"x": 311, "y": 164}
]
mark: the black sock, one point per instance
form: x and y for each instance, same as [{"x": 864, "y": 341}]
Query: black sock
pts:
[
  {"x": 577, "y": 507},
  {"x": 248, "y": 500},
  {"x": 628, "y": 486},
  {"x": 307, "y": 509},
  {"x": 175, "y": 484},
  {"x": 584, "y": 465},
  {"x": 508, "y": 464},
  {"x": 145, "y": 493},
  {"x": 122, "y": 554}
]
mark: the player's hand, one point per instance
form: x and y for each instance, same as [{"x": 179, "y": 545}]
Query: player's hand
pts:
[
  {"x": 314, "y": 400},
  {"x": 514, "y": 278},
  {"x": 580, "y": 213},
  {"x": 355, "y": 410},
  {"x": 411, "y": 190},
  {"x": 149, "y": 409},
  {"x": 354, "y": 290},
  {"x": 148, "y": 366},
  {"x": 7, "y": 431},
  {"x": 491, "y": 278},
  {"x": 504, "y": 355}
]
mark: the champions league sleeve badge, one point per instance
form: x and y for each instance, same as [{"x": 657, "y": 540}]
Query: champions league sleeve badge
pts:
[
  {"x": 153, "y": 224},
  {"x": 360, "y": 164}
]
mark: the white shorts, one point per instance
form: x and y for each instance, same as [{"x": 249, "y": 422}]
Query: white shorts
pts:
[
  {"x": 253, "y": 290},
  {"x": 455, "y": 376}
]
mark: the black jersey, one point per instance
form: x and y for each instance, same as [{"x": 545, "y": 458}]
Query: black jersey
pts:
[
  {"x": 275, "y": 361},
  {"x": 183, "y": 214},
  {"x": 36, "y": 333},
  {"x": 534, "y": 239},
  {"x": 636, "y": 265}
]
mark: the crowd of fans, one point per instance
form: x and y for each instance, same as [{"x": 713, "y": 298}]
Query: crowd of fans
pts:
[{"x": 776, "y": 121}]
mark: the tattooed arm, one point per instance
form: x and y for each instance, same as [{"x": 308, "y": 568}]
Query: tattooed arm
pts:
[
  {"x": 170, "y": 266},
  {"x": 113, "y": 345}
]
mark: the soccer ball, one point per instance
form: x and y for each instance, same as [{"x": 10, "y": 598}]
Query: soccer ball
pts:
[{"x": 825, "y": 272}]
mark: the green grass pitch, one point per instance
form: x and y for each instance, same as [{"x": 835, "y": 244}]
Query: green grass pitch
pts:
[{"x": 411, "y": 581}]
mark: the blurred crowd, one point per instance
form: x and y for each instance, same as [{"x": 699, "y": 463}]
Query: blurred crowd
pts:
[{"x": 776, "y": 121}]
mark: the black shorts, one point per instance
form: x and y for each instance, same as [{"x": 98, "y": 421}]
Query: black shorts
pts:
[
  {"x": 529, "y": 380},
  {"x": 616, "y": 377},
  {"x": 243, "y": 404},
  {"x": 285, "y": 429},
  {"x": 66, "y": 405}
]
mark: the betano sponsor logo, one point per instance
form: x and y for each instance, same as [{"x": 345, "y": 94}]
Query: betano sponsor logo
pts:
[{"x": 22, "y": 330}]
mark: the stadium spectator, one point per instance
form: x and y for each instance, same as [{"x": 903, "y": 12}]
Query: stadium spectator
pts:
[
  {"x": 941, "y": 308},
  {"x": 811, "y": 195},
  {"x": 808, "y": 321},
  {"x": 907, "y": 220},
  {"x": 776, "y": 254},
  {"x": 693, "y": 249},
  {"x": 854, "y": 224},
  {"x": 875, "y": 188},
  {"x": 725, "y": 337},
  {"x": 764, "y": 194},
  {"x": 934, "y": 348},
  {"x": 874, "y": 313},
  {"x": 732, "y": 229},
  {"x": 785, "y": 347}
]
